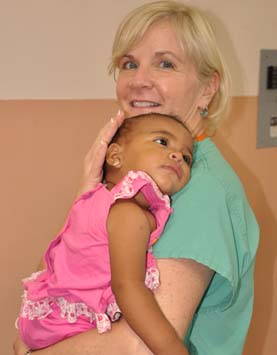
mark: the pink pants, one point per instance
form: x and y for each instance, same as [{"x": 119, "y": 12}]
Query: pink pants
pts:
[{"x": 40, "y": 333}]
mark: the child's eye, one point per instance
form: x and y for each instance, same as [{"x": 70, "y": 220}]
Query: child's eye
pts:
[
  {"x": 166, "y": 64},
  {"x": 187, "y": 159},
  {"x": 161, "y": 141}
]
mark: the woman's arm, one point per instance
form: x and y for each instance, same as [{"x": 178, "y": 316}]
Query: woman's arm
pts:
[
  {"x": 129, "y": 231},
  {"x": 183, "y": 283}
]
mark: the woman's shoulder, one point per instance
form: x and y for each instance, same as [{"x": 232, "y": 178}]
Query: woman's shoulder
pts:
[
  {"x": 214, "y": 190},
  {"x": 212, "y": 175},
  {"x": 212, "y": 209}
]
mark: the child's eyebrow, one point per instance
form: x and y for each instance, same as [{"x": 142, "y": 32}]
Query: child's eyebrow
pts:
[{"x": 163, "y": 132}]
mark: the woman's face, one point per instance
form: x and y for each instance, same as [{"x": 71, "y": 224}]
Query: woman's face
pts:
[{"x": 156, "y": 76}]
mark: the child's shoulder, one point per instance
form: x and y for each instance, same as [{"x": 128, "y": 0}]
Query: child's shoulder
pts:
[{"x": 127, "y": 213}]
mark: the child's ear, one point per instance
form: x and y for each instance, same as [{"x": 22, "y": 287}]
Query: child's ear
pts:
[{"x": 114, "y": 155}]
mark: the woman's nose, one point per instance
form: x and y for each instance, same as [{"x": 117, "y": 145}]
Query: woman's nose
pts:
[
  {"x": 177, "y": 156},
  {"x": 141, "y": 78}
]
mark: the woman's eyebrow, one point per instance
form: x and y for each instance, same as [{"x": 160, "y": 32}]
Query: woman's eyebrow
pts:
[
  {"x": 130, "y": 56},
  {"x": 166, "y": 52},
  {"x": 157, "y": 54}
]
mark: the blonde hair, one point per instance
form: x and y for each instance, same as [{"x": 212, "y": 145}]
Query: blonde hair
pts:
[{"x": 196, "y": 37}]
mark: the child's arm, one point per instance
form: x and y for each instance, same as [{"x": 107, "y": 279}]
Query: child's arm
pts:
[{"x": 129, "y": 231}]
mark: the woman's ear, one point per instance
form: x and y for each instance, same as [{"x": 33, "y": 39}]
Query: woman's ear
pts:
[
  {"x": 114, "y": 155},
  {"x": 209, "y": 90}
]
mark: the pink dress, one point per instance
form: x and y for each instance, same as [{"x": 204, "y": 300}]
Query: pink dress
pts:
[{"x": 74, "y": 293}]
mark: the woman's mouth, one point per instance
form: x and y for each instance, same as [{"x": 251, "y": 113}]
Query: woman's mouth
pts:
[{"x": 144, "y": 104}]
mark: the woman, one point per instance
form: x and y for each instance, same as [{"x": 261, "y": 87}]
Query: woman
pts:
[{"x": 166, "y": 59}]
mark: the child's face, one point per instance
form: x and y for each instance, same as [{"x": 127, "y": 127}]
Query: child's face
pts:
[{"x": 163, "y": 149}]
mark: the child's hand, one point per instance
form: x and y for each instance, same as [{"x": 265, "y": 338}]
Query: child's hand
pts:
[{"x": 94, "y": 160}]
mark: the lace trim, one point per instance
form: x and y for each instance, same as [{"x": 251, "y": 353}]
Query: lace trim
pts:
[
  {"x": 127, "y": 189},
  {"x": 71, "y": 311},
  {"x": 33, "y": 276},
  {"x": 36, "y": 309},
  {"x": 152, "y": 278}
]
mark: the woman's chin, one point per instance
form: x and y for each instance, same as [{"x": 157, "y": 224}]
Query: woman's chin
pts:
[{"x": 134, "y": 111}]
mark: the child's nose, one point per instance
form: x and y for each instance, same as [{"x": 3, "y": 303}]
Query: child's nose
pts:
[{"x": 178, "y": 156}]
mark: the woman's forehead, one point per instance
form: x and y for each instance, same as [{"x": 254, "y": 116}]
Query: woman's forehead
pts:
[{"x": 160, "y": 34}]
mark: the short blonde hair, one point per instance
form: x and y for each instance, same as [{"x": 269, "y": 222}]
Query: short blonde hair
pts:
[{"x": 196, "y": 37}]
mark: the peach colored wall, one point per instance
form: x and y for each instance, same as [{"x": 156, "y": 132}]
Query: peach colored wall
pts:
[{"x": 42, "y": 147}]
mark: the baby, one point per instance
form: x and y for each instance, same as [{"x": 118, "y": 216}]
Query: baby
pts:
[{"x": 101, "y": 263}]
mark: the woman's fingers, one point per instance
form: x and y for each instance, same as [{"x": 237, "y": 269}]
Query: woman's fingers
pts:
[
  {"x": 103, "y": 139},
  {"x": 109, "y": 130},
  {"x": 95, "y": 158},
  {"x": 96, "y": 155}
]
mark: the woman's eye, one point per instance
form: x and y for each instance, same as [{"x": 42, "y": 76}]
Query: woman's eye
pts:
[
  {"x": 187, "y": 159},
  {"x": 166, "y": 64},
  {"x": 161, "y": 141},
  {"x": 128, "y": 65}
]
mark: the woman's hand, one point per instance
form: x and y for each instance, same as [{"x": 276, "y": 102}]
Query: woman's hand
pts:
[
  {"x": 95, "y": 158},
  {"x": 19, "y": 347}
]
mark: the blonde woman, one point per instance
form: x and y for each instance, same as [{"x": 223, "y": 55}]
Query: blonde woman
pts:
[{"x": 166, "y": 59}]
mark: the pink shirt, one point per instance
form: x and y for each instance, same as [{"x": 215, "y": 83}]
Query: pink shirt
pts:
[{"x": 77, "y": 280}]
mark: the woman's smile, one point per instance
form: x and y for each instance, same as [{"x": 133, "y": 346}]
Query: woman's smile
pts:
[{"x": 143, "y": 104}]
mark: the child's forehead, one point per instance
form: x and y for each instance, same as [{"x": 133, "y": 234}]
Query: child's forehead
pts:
[
  {"x": 159, "y": 123},
  {"x": 159, "y": 126}
]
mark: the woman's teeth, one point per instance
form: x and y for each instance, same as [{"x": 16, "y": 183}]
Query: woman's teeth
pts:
[{"x": 144, "y": 104}]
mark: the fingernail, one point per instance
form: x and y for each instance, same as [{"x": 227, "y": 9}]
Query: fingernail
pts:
[
  {"x": 112, "y": 120},
  {"x": 118, "y": 112}
]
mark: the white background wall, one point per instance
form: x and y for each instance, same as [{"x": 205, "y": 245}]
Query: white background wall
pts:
[{"x": 61, "y": 48}]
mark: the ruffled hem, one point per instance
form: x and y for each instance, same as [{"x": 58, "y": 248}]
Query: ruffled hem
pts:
[
  {"x": 152, "y": 278},
  {"x": 36, "y": 309},
  {"x": 71, "y": 311},
  {"x": 126, "y": 188}
]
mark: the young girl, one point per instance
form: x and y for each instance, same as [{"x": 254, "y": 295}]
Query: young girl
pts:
[{"x": 101, "y": 263}]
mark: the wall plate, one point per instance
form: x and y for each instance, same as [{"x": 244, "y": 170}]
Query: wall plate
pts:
[{"x": 267, "y": 100}]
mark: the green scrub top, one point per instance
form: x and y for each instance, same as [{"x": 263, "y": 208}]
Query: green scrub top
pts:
[{"x": 213, "y": 224}]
